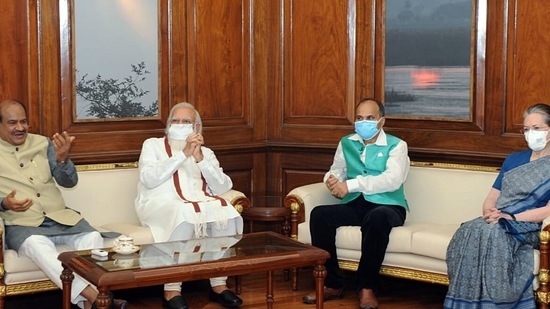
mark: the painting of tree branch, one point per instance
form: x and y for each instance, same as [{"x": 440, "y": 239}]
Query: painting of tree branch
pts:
[{"x": 116, "y": 59}]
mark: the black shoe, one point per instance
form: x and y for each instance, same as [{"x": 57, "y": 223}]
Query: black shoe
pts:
[
  {"x": 119, "y": 304},
  {"x": 115, "y": 303},
  {"x": 226, "y": 298},
  {"x": 176, "y": 302}
]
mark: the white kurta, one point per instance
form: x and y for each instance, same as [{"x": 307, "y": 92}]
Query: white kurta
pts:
[{"x": 158, "y": 204}]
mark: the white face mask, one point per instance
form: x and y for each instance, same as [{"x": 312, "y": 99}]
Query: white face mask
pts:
[
  {"x": 180, "y": 131},
  {"x": 536, "y": 140}
]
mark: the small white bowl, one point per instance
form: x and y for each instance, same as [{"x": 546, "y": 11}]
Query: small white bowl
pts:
[{"x": 129, "y": 250}]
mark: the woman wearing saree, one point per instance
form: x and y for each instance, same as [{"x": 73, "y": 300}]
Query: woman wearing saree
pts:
[{"x": 490, "y": 259}]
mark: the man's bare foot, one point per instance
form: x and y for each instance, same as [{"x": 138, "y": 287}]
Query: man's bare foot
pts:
[
  {"x": 171, "y": 294},
  {"x": 219, "y": 288}
]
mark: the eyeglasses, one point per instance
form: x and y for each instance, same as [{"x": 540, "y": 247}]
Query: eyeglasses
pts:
[
  {"x": 535, "y": 128},
  {"x": 181, "y": 121}
]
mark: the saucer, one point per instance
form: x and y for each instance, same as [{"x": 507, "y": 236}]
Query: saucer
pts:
[
  {"x": 133, "y": 249},
  {"x": 125, "y": 256}
]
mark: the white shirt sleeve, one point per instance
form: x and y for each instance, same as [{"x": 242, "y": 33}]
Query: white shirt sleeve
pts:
[
  {"x": 397, "y": 169},
  {"x": 338, "y": 167},
  {"x": 218, "y": 182}
]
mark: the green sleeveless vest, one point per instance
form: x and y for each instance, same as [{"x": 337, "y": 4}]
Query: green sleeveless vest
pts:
[{"x": 375, "y": 164}]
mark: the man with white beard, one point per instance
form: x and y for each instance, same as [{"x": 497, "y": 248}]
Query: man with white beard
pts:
[{"x": 180, "y": 181}]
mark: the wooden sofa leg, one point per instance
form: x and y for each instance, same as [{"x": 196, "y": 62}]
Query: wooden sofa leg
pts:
[
  {"x": 542, "y": 294},
  {"x": 3, "y": 287}
]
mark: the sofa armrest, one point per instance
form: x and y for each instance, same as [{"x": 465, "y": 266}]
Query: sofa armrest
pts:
[
  {"x": 303, "y": 199},
  {"x": 2, "y": 246},
  {"x": 237, "y": 199},
  {"x": 543, "y": 291},
  {"x": 545, "y": 223}
]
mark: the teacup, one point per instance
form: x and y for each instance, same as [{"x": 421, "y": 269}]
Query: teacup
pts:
[
  {"x": 124, "y": 263},
  {"x": 124, "y": 243}
]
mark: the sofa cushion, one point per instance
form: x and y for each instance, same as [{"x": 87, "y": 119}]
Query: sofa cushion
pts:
[
  {"x": 24, "y": 277},
  {"x": 141, "y": 234},
  {"x": 434, "y": 240},
  {"x": 401, "y": 237},
  {"x": 425, "y": 239},
  {"x": 14, "y": 263},
  {"x": 20, "y": 269}
]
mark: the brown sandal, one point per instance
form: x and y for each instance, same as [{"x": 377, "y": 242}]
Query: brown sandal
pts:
[
  {"x": 330, "y": 294},
  {"x": 367, "y": 299}
]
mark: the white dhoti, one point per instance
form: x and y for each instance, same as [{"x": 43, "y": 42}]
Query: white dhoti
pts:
[
  {"x": 178, "y": 196},
  {"x": 41, "y": 250}
]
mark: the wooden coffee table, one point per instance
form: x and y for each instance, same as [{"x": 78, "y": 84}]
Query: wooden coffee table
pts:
[{"x": 161, "y": 263}]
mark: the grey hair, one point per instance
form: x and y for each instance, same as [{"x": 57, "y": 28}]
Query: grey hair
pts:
[
  {"x": 539, "y": 108},
  {"x": 381, "y": 107},
  {"x": 183, "y": 105}
]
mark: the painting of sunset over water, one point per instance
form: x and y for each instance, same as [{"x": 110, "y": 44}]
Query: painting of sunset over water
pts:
[
  {"x": 438, "y": 92},
  {"x": 427, "y": 71}
]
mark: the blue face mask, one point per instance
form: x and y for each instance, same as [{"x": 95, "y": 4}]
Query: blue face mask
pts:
[{"x": 367, "y": 129}]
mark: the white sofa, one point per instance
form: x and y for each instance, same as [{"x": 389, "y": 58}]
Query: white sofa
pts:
[
  {"x": 440, "y": 196},
  {"x": 105, "y": 196}
]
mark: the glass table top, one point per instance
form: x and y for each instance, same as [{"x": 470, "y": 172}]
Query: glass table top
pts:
[{"x": 197, "y": 251}]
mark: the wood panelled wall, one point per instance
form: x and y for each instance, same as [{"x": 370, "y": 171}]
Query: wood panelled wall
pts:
[{"x": 276, "y": 82}]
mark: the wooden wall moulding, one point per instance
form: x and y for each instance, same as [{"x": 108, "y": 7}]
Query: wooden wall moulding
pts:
[
  {"x": 204, "y": 57},
  {"x": 324, "y": 63},
  {"x": 527, "y": 67},
  {"x": 277, "y": 79},
  {"x": 314, "y": 69}
]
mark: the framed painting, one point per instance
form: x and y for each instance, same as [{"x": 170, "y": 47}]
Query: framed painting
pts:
[
  {"x": 428, "y": 59},
  {"x": 116, "y": 61}
]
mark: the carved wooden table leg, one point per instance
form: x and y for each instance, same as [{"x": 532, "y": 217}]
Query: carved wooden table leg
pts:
[
  {"x": 319, "y": 274},
  {"x": 103, "y": 300},
  {"x": 269, "y": 296},
  {"x": 67, "y": 280}
]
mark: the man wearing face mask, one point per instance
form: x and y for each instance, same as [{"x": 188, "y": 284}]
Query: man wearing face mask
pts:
[
  {"x": 178, "y": 195},
  {"x": 367, "y": 173}
]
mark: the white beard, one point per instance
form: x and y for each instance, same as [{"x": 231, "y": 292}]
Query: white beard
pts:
[{"x": 176, "y": 145}]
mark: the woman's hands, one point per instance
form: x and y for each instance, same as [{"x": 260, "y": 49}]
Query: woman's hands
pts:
[{"x": 492, "y": 215}]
